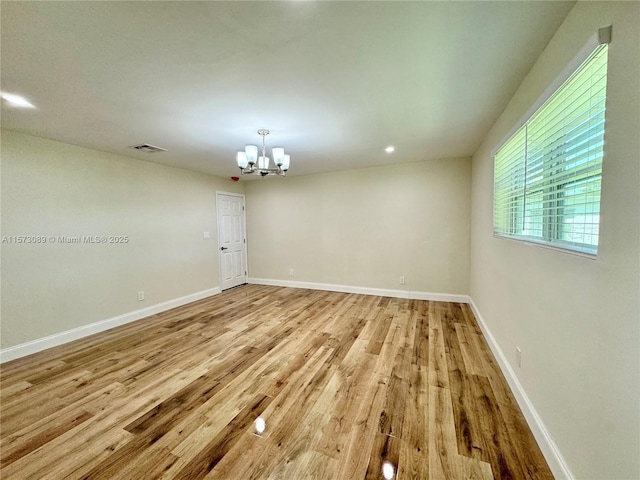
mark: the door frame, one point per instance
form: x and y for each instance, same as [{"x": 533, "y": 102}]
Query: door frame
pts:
[{"x": 244, "y": 226}]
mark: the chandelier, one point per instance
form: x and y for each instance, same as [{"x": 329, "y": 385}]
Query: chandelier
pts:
[{"x": 250, "y": 163}]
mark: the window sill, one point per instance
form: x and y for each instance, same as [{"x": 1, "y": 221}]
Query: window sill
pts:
[{"x": 549, "y": 246}]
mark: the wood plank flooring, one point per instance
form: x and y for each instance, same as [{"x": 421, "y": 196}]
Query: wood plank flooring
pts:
[{"x": 344, "y": 383}]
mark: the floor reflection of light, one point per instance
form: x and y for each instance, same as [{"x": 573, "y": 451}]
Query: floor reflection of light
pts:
[
  {"x": 260, "y": 425},
  {"x": 387, "y": 470}
]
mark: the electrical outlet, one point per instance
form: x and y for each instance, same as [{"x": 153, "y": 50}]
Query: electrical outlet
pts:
[
  {"x": 291, "y": 272},
  {"x": 519, "y": 357},
  {"x": 402, "y": 280},
  {"x": 140, "y": 296}
]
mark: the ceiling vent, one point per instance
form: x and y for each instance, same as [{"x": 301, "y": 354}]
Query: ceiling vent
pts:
[{"x": 145, "y": 147}]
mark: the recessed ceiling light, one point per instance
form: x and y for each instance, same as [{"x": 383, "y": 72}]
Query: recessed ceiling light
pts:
[
  {"x": 17, "y": 100},
  {"x": 390, "y": 149}
]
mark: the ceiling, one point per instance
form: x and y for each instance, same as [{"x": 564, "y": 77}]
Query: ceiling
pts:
[{"x": 335, "y": 82}]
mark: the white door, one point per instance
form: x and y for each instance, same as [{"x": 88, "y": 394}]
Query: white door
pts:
[{"x": 232, "y": 244}]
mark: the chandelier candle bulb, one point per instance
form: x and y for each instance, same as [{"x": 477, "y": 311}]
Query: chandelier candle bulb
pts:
[
  {"x": 278, "y": 155},
  {"x": 251, "y": 152},
  {"x": 242, "y": 160}
]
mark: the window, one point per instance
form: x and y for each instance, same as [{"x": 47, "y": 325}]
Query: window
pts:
[{"x": 547, "y": 175}]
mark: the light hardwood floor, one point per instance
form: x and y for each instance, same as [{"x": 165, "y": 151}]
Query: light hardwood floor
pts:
[{"x": 344, "y": 383}]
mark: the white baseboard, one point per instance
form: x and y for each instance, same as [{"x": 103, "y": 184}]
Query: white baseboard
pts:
[
  {"x": 440, "y": 297},
  {"x": 554, "y": 458},
  {"x": 35, "y": 346}
]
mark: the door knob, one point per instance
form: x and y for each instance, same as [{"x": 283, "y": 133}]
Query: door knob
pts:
[{"x": 224, "y": 248}]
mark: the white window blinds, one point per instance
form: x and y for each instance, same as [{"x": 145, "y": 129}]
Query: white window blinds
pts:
[{"x": 547, "y": 175}]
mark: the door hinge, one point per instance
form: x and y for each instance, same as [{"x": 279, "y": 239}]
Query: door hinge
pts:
[
  {"x": 244, "y": 240},
  {"x": 243, "y": 208}
]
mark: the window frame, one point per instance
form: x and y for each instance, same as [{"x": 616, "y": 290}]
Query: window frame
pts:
[{"x": 552, "y": 225}]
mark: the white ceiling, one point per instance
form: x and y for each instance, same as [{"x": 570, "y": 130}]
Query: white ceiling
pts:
[{"x": 335, "y": 82}]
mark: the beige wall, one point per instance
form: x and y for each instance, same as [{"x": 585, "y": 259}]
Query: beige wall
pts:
[
  {"x": 365, "y": 227},
  {"x": 577, "y": 320},
  {"x": 51, "y": 188}
]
